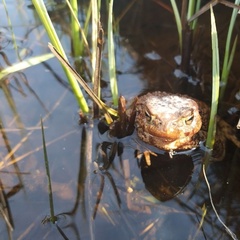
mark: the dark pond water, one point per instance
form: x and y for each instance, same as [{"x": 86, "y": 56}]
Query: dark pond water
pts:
[{"x": 166, "y": 200}]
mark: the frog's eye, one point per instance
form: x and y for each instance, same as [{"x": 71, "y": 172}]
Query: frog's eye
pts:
[
  {"x": 189, "y": 120},
  {"x": 148, "y": 116}
]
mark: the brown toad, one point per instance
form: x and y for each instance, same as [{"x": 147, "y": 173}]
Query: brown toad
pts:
[{"x": 177, "y": 122}]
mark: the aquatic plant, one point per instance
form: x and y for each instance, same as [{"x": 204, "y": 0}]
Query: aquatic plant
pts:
[
  {"x": 213, "y": 114},
  {"x": 78, "y": 50},
  {"x": 215, "y": 84},
  {"x": 111, "y": 55},
  {"x": 106, "y": 110},
  {"x": 187, "y": 22},
  {"x": 229, "y": 54},
  {"x": 43, "y": 15},
  {"x": 15, "y": 67}
]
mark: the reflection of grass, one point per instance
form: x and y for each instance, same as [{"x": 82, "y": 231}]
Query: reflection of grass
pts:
[
  {"x": 11, "y": 73},
  {"x": 53, "y": 218},
  {"x": 9, "y": 160},
  {"x": 5, "y": 210},
  {"x": 12, "y": 32}
]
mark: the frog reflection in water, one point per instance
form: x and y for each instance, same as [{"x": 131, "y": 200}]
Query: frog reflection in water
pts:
[{"x": 177, "y": 122}]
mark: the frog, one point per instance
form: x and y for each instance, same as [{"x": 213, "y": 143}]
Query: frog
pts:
[{"x": 175, "y": 122}]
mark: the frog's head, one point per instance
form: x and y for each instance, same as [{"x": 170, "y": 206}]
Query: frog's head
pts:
[{"x": 167, "y": 116}]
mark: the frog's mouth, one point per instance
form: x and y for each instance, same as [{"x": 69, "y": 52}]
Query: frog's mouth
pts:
[
  {"x": 168, "y": 134},
  {"x": 168, "y": 137},
  {"x": 166, "y": 143}
]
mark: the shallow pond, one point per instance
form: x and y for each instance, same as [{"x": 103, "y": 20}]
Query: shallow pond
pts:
[{"x": 129, "y": 200}]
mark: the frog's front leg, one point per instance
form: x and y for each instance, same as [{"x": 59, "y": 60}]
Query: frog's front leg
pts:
[{"x": 124, "y": 125}]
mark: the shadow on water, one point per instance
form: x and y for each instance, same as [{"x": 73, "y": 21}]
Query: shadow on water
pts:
[{"x": 102, "y": 187}]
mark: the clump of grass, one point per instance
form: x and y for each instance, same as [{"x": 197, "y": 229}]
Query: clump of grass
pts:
[
  {"x": 229, "y": 54},
  {"x": 96, "y": 29},
  {"x": 214, "y": 105},
  {"x": 75, "y": 26},
  {"x": 43, "y": 15},
  {"x": 107, "y": 110},
  {"x": 185, "y": 24},
  {"x": 193, "y": 7},
  {"x": 182, "y": 21},
  {"x": 178, "y": 21},
  {"x": 185, "y": 29}
]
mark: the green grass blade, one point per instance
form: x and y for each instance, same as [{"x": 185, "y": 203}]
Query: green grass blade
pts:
[
  {"x": 226, "y": 69},
  {"x": 178, "y": 21},
  {"x": 111, "y": 56},
  {"x": 198, "y": 5},
  {"x": 46, "y": 21},
  {"x": 191, "y": 10},
  {"x": 76, "y": 27},
  {"x": 232, "y": 55},
  {"x": 95, "y": 23},
  {"x": 87, "y": 20},
  {"x": 25, "y": 64},
  {"x": 215, "y": 83},
  {"x": 73, "y": 6}
]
